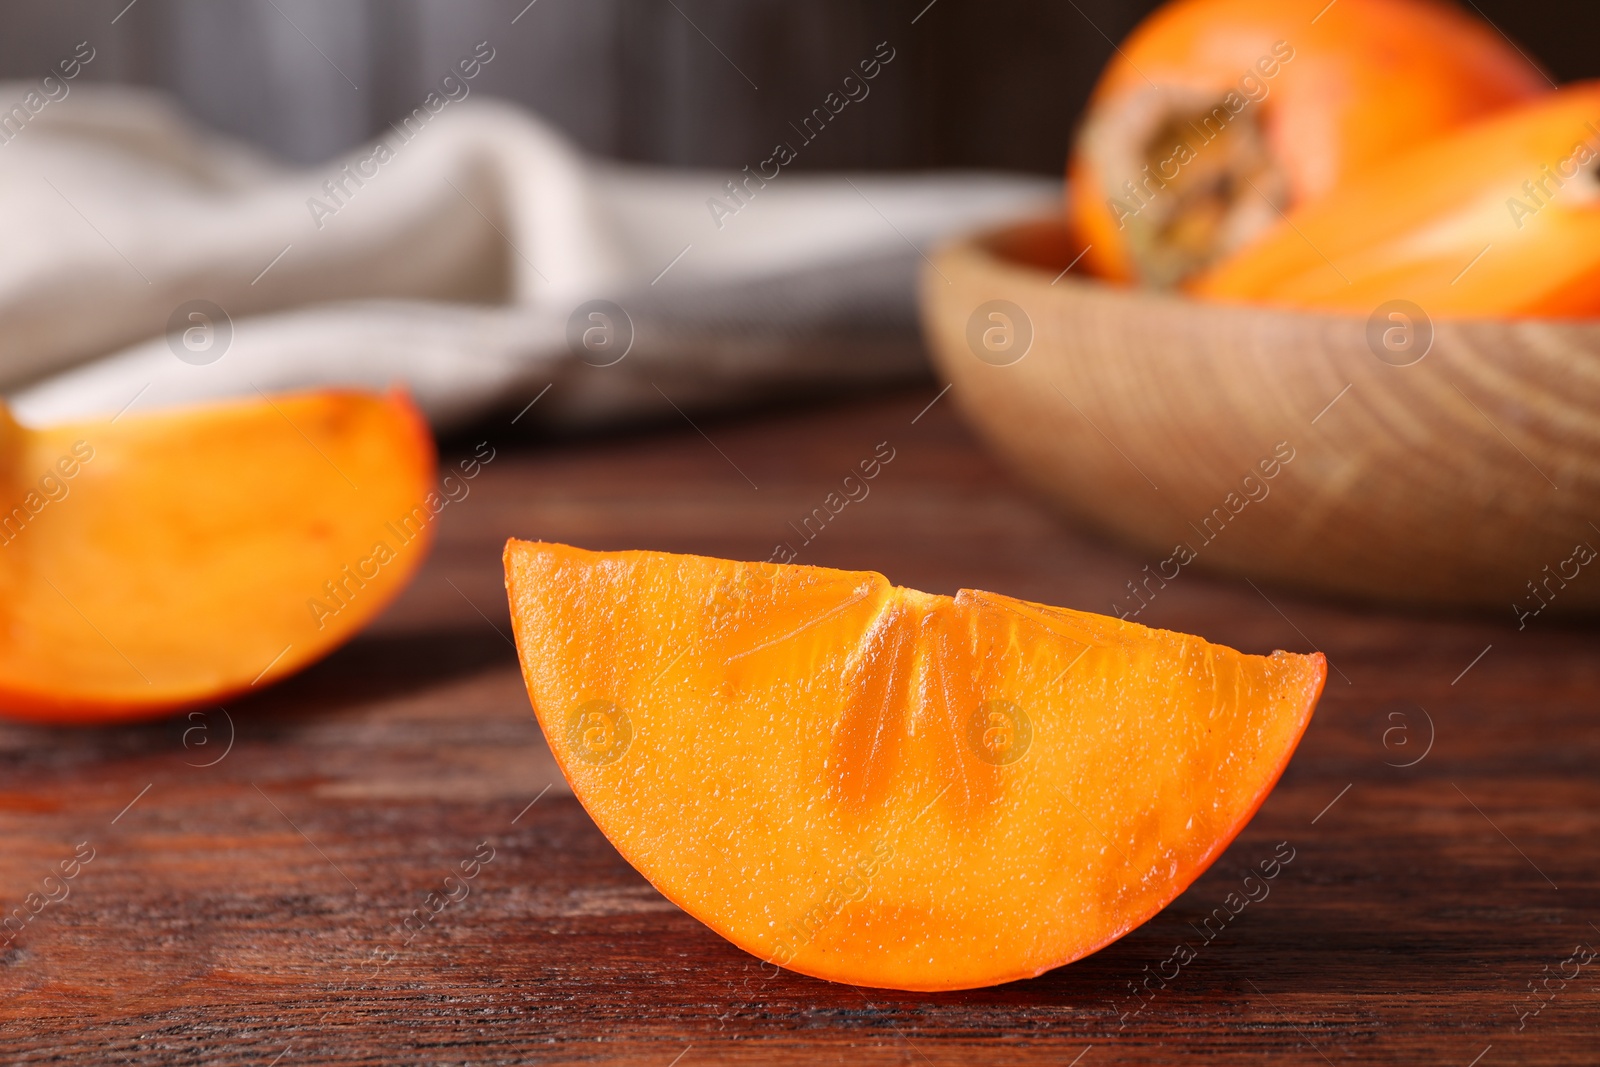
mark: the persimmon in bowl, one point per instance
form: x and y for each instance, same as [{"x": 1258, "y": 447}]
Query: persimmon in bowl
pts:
[
  {"x": 1383, "y": 456},
  {"x": 1323, "y": 308}
]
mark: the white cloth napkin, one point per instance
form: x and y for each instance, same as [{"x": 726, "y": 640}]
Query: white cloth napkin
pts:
[{"x": 146, "y": 262}]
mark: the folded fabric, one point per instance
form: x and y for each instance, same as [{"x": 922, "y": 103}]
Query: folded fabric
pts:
[{"x": 471, "y": 254}]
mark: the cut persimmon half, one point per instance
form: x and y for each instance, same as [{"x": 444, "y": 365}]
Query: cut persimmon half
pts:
[
  {"x": 888, "y": 788},
  {"x": 153, "y": 562},
  {"x": 1216, "y": 116}
]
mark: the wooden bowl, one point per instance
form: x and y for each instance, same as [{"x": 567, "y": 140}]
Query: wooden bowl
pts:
[{"x": 1329, "y": 452}]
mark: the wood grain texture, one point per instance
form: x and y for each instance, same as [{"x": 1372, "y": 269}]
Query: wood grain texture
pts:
[
  {"x": 229, "y": 915},
  {"x": 1464, "y": 474}
]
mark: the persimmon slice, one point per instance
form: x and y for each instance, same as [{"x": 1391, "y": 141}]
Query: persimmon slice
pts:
[
  {"x": 158, "y": 561},
  {"x": 879, "y": 786},
  {"x": 1524, "y": 181}
]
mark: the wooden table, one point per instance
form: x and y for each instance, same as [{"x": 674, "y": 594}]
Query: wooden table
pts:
[{"x": 247, "y": 866}]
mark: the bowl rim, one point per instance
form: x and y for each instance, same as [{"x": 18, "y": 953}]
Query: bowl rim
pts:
[{"x": 989, "y": 245}]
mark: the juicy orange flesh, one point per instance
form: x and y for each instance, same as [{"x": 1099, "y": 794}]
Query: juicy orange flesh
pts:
[
  {"x": 184, "y": 558},
  {"x": 1411, "y": 226},
  {"x": 883, "y": 787},
  {"x": 1337, "y": 89}
]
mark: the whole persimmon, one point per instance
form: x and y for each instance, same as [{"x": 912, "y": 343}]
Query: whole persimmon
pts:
[
  {"x": 1498, "y": 219},
  {"x": 1216, "y": 116}
]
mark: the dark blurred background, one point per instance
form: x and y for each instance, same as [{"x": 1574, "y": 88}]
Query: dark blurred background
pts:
[{"x": 979, "y": 83}]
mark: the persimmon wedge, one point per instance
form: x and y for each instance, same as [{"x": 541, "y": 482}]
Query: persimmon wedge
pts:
[
  {"x": 883, "y": 787},
  {"x": 1499, "y": 219},
  {"x": 159, "y": 561}
]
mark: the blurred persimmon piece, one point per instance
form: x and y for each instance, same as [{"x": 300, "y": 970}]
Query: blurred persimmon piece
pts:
[
  {"x": 1215, "y": 116},
  {"x": 889, "y": 788},
  {"x": 1500, "y": 219},
  {"x": 157, "y": 561}
]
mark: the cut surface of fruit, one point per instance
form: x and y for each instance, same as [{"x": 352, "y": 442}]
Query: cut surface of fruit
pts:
[
  {"x": 889, "y": 788},
  {"x": 1515, "y": 197},
  {"x": 166, "y": 560},
  {"x": 1215, "y": 116}
]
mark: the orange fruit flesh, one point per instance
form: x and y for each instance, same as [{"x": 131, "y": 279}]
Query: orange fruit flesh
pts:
[
  {"x": 883, "y": 787},
  {"x": 1411, "y": 228},
  {"x": 185, "y": 556},
  {"x": 1323, "y": 93}
]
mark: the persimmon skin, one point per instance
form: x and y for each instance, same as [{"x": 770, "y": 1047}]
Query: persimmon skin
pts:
[
  {"x": 180, "y": 567},
  {"x": 1499, "y": 219},
  {"x": 801, "y": 757},
  {"x": 1368, "y": 79}
]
